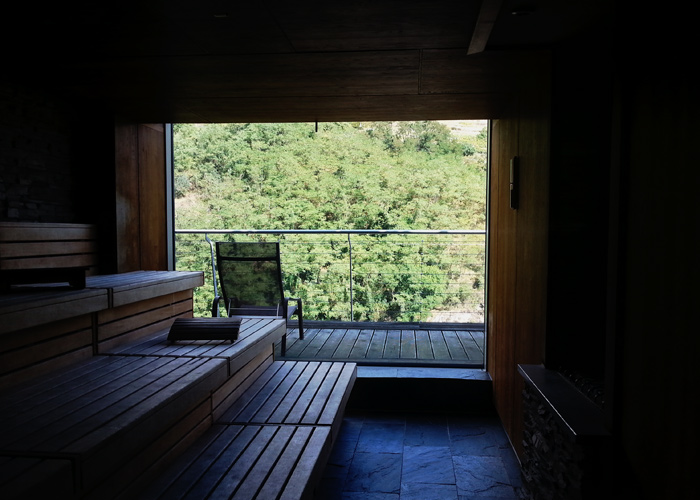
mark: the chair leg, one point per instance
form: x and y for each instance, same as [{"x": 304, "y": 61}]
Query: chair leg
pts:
[{"x": 301, "y": 322}]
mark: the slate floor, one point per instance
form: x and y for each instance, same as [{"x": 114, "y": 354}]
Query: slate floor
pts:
[{"x": 381, "y": 456}]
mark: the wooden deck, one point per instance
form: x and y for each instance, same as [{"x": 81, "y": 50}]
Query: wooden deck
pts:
[{"x": 388, "y": 344}]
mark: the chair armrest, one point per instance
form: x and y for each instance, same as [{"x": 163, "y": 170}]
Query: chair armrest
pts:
[
  {"x": 298, "y": 312},
  {"x": 215, "y": 306}
]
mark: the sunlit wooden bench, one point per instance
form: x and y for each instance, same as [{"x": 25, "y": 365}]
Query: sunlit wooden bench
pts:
[
  {"x": 47, "y": 327},
  {"x": 296, "y": 393},
  {"x": 141, "y": 303},
  {"x": 272, "y": 442},
  {"x": 120, "y": 416},
  {"x": 248, "y": 461},
  {"x": 111, "y": 417}
]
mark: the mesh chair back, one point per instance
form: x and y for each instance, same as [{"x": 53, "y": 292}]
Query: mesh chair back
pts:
[{"x": 250, "y": 276}]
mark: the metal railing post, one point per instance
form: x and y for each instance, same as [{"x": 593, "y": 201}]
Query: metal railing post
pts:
[
  {"x": 352, "y": 302},
  {"x": 213, "y": 268}
]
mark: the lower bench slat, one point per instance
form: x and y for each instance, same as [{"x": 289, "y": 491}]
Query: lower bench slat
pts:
[
  {"x": 247, "y": 462},
  {"x": 273, "y": 441},
  {"x": 103, "y": 413},
  {"x": 295, "y": 392},
  {"x": 26, "y": 477}
]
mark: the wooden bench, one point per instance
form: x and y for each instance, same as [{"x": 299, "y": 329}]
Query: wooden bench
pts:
[
  {"x": 296, "y": 393},
  {"x": 110, "y": 416},
  {"x": 247, "y": 462},
  {"x": 41, "y": 331},
  {"x": 272, "y": 442},
  {"x": 285, "y": 414},
  {"x": 118, "y": 417},
  {"x": 115, "y": 422},
  {"x": 46, "y": 327},
  {"x": 245, "y": 359},
  {"x": 46, "y": 253},
  {"x": 141, "y": 303}
]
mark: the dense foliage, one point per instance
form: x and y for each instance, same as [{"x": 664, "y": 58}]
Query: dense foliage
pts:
[{"x": 369, "y": 175}]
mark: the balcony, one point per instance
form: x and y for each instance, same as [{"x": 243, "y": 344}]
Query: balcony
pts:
[{"x": 374, "y": 297}]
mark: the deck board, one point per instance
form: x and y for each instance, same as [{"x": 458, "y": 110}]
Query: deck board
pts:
[
  {"x": 376, "y": 346},
  {"x": 408, "y": 344},
  {"x": 471, "y": 345},
  {"x": 345, "y": 347},
  {"x": 412, "y": 345},
  {"x": 332, "y": 340}
]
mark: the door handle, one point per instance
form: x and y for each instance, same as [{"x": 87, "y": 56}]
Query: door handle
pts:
[{"x": 514, "y": 182}]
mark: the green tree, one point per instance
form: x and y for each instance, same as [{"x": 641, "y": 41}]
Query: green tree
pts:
[{"x": 368, "y": 175}]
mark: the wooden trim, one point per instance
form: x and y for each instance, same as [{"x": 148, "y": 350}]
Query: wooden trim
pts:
[{"x": 484, "y": 25}]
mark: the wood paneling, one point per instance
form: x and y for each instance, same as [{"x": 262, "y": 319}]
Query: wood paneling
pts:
[
  {"x": 215, "y": 109},
  {"x": 518, "y": 249},
  {"x": 331, "y": 26},
  {"x": 141, "y": 204},
  {"x": 501, "y": 312},
  {"x": 152, "y": 200},
  {"x": 127, "y": 198}
]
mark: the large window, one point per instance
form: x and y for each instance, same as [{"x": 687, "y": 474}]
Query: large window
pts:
[{"x": 380, "y": 221}]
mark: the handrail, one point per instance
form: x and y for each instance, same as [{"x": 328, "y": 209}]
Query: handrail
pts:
[
  {"x": 351, "y": 264},
  {"x": 330, "y": 231}
]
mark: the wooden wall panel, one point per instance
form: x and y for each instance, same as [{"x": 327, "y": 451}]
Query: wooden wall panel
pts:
[
  {"x": 152, "y": 202},
  {"x": 140, "y": 200},
  {"x": 127, "y": 198},
  {"x": 502, "y": 271},
  {"x": 517, "y": 302}
]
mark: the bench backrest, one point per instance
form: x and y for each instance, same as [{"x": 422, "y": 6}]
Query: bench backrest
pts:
[
  {"x": 28, "y": 251},
  {"x": 29, "y": 246}
]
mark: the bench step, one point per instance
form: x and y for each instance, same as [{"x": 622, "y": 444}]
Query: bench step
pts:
[
  {"x": 28, "y": 477},
  {"x": 255, "y": 335},
  {"x": 247, "y": 462},
  {"x": 296, "y": 393},
  {"x": 272, "y": 442},
  {"x": 101, "y": 413},
  {"x": 127, "y": 288}
]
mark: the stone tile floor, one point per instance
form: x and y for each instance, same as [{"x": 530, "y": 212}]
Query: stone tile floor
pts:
[{"x": 381, "y": 456}]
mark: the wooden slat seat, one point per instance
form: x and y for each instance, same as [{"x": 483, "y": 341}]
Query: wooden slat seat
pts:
[
  {"x": 30, "y": 477},
  {"x": 126, "y": 288},
  {"x": 103, "y": 413},
  {"x": 255, "y": 335},
  {"x": 272, "y": 442},
  {"x": 246, "y": 462},
  {"x": 46, "y": 327},
  {"x": 296, "y": 393},
  {"x": 44, "y": 330},
  {"x": 28, "y": 308}
]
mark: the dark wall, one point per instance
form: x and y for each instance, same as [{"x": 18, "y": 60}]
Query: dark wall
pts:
[
  {"x": 578, "y": 220},
  {"x": 56, "y": 161},
  {"x": 657, "y": 402},
  {"x": 36, "y": 149},
  {"x": 55, "y": 158}
]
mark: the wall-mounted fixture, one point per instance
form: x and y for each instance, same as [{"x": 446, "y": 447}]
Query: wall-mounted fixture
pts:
[{"x": 514, "y": 182}]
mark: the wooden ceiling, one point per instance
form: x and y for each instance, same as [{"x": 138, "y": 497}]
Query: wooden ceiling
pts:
[{"x": 286, "y": 60}]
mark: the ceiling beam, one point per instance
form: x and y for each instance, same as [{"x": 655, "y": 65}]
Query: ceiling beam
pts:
[{"x": 484, "y": 24}]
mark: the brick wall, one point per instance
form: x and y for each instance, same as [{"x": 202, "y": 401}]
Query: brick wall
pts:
[{"x": 37, "y": 181}]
